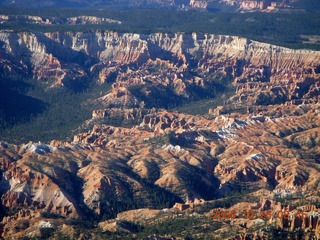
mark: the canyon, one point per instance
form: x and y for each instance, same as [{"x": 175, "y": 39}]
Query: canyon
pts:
[
  {"x": 262, "y": 140},
  {"x": 262, "y": 73}
]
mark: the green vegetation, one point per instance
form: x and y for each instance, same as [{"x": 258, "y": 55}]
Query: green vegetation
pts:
[
  {"x": 309, "y": 5},
  {"x": 152, "y": 196},
  {"x": 51, "y": 215},
  {"x": 181, "y": 226},
  {"x": 157, "y": 96},
  {"x": 202, "y": 106},
  {"x": 185, "y": 227},
  {"x": 199, "y": 99},
  {"x": 46, "y": 233},
  {"x": 277, "y": 28},
  {"x": 228, "y": 201},
  {"x": 275, "y": 233},
  {"x": 32, "y": 113},
  {"x": 29, "y": 112}
]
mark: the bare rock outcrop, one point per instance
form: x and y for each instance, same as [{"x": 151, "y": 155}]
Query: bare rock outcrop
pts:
[
  {"x": 119, "y": 97},
  {"x": 105, "y": 164},
  {"x": 198, "y": 4},
  {"x": 272, "y": 144},
  {"x": 263, "y": 73},
  {"x": 90, "y": 20}
]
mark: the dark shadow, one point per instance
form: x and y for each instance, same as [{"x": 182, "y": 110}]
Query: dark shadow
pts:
[
  {"x": 150, "y": 196},
  {"x": 156, "y": 51},
  {"x": 4, "y": 187},
  {"x": 76, "y": 188},
  {"x": 157, "y": 96},
  {"x": 64, "y": 53},
  {"x": 15, "y": 107},
  {"x": 194, "y": 183},
  {"x": 68, "y": 57}
]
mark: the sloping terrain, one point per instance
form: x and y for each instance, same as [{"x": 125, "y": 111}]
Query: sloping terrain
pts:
[
  {"x": 261, "y": 143},
  {"x": 189, "y": 65},
  {"x": 168, "y": 158}
]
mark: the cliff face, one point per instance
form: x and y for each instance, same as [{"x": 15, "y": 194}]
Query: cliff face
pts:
[
  {"x": 262, "y": 6},
  {"x": 199, "y": 4},
  {"x": 180, "y": 157},
  {"x": 254, "y": 66},
  {"x": 129, "y": 48},
  {"x": 266, "y": 136}
]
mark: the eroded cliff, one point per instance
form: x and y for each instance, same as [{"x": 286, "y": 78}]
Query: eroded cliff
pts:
[
  {"x": 265, "y": 136},
  {"x": 263, "y": 73}
]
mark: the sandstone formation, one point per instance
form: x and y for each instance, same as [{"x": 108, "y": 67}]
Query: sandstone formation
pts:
[
  {"x": 198, "y": 4},
  {"x": 90, "y": 20},
  {"x": 100, "y": 164},
  {"x": 26, "y": 18},
  {"x": 265, "y": 136},
  {"x": 263, "y": 74},
  {"x": 263, "y": 5}
]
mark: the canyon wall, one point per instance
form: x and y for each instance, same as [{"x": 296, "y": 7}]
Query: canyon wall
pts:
[
  {"x": 273, "y": 144},
  {"x": 262, "y": 73}
]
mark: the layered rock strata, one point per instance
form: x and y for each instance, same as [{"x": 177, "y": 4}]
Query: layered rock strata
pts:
[
  {"x": 168, "y": 149},
  {"x": 263, "y": 74}
]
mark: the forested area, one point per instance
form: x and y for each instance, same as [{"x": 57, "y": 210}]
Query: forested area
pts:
[
  {"x": 37, "y": 114},
  {"x": 31, "y": 113},
  {"x": 283, "y": 29}
]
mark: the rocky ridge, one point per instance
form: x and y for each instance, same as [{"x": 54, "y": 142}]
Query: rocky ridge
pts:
[
  {"x": 101, "y": 165},
  {"x": 266, "y": 136},
  {"x": 262, "y": 73}
]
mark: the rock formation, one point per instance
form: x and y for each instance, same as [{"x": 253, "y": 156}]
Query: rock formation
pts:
[
  {"x": 106, "y": 159},
  {"x": 266, "y": 136},
  {"x": 263, "y": 74}
]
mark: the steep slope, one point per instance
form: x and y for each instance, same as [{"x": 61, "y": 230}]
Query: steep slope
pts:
[
  {"x": 265, "y": 136},
  {"x": 171, "y": 155},
  {"x": 165, "y": 60}
]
